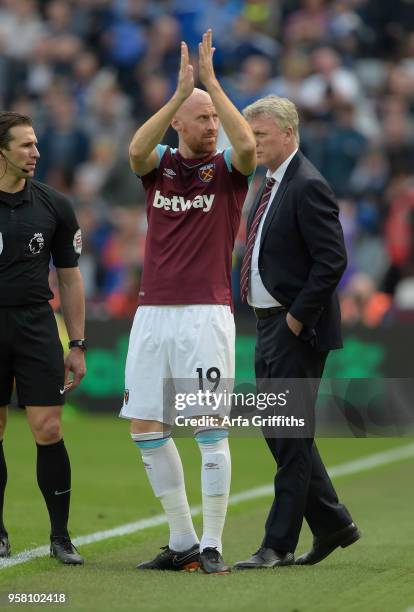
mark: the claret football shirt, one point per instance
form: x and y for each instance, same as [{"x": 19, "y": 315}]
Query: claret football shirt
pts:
[{"x": 193, "y": 211}]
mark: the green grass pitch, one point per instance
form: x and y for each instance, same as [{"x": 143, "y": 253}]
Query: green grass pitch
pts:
[{"x": 110, "y": 489}]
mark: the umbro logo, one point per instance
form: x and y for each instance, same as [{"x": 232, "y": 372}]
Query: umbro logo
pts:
[{"x": 169, "y": 173}]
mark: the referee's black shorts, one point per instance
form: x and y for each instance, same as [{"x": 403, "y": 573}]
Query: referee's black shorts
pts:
[{"x": 32, "y": 355}]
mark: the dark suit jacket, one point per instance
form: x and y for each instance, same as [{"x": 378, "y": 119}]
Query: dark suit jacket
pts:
[{"x": 302, "y": 253}]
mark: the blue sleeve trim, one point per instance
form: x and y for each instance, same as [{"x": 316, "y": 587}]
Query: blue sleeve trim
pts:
[
  {"x": 161, "y": 150},
  {"x": 227, "y": 159}
]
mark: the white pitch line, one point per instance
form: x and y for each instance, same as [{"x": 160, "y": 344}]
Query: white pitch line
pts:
[{"x": 345, "y": 469}]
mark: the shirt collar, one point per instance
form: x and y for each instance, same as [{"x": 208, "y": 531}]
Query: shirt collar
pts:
[
  {"x": 194, "y": 162},
  {"x": 279, "y": 173},
  {"x": 15, "y": 199}
]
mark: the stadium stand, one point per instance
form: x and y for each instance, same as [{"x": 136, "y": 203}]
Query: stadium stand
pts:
[{"x": 90, "y": 71}]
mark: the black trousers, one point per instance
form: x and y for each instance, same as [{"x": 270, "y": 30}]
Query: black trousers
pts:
[{"x": 302, "y": 485}]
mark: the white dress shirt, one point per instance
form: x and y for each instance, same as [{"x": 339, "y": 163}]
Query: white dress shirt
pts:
[{"x": 258, "y": 296}]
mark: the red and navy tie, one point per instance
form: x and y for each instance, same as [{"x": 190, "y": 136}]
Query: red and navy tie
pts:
[{"x": 251, "y": 238}]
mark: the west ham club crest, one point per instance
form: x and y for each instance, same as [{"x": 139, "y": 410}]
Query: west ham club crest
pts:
[{"x": 206, "y": 172}]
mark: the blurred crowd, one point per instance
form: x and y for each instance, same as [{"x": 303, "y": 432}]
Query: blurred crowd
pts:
[{"x": 89, "y": 72}]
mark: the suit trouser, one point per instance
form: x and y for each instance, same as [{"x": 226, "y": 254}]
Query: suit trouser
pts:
[{"x": 302, "y": 485}]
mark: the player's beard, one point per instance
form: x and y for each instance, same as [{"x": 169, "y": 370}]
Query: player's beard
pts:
[
  {"x": 208, "y": 148},
  {"x": 206, "y": 145}
]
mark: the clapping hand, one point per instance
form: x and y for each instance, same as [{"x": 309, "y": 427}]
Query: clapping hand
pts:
[
  {"x": 205, "y": 59},
  {"x": 185, "y": 84}
]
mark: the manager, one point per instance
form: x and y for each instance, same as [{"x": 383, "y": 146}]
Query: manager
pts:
[{"x": 295, "y": 257}]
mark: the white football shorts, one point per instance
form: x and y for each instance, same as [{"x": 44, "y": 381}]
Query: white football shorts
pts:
[{"x": 188, "y": 348}]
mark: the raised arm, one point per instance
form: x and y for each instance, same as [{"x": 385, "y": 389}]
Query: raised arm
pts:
[
  {"x": 236, "y": 127},
  {"x": 143, "y": 155}
]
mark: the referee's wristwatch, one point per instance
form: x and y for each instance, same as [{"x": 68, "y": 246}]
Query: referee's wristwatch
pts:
[{"x": 78, "y": 344}]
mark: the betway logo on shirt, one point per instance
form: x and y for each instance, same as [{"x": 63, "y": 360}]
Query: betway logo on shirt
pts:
[{"x": 179, "y": 203}]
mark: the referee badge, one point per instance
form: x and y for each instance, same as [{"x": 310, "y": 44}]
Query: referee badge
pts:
[
  {"x": 206, "y": 172},
  {"x": 77, "y": 242},
  {"x": 36, "y": 243}
]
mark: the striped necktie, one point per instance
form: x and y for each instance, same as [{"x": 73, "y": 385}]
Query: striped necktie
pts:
[{"x": 247, "y": 260}]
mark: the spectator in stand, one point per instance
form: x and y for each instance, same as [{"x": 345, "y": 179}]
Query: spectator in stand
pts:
[
  {"x": 108, "y": 110},
  {"x": 252, "y": 82},
  {"x": 399, "y": 146},
  {"x": 399, "y": 234},
  {"x": 125, "y": 45},
  {"x": 343, "y": 147},
  {"x": 40, "y": 76},
  {"x": 330, "y": 82},
  {"x": 59, "y": 18},
  {"x": 21, "y": 27},
  {"x": 309, "y": 25},
  {"x": 85, "y": 71},
  {"x": 163, "y": 37},
  {"x": 246, "y": 41},
  {"x": 64, "y": 145},
  {"x": 294, "y": 68}
]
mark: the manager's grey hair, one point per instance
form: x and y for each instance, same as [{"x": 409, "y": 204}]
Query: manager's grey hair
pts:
[{"x": 281, "y": 109}]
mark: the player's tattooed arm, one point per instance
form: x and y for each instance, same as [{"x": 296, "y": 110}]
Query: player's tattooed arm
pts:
[
  {"x": 236, "y": 127},
  {"x": 143, "y": 155}
]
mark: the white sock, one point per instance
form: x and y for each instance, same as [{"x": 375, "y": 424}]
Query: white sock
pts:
[
  {"x": 215, "y": 485},
  {"x": 165, "y": 473}
]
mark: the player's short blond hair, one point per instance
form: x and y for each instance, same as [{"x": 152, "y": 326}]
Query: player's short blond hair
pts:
[{"x": 282, "y": 110}]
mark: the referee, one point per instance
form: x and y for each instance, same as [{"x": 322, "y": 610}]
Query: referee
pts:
[{"x": 37, "y": 222}]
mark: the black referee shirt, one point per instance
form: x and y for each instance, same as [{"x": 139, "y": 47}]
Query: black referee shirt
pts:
[{"x": 35, "y": 224}]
